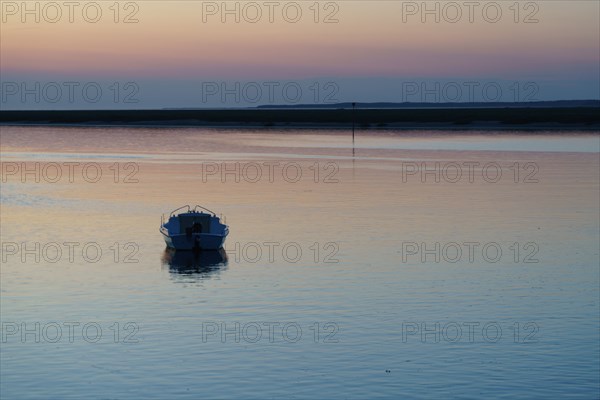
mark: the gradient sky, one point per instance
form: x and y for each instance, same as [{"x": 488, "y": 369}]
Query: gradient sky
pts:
[{"x": 372, "y": 40}]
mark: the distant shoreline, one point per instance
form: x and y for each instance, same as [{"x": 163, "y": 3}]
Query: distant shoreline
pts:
[{"x": 550, "y": 118}]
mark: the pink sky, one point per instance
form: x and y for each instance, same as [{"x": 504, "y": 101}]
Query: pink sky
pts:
[{"x": 187, "y": 40}]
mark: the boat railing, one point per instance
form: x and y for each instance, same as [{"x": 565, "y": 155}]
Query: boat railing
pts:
[
  {"x": 189, "y": 209},
  {"x": 180, "y": 208},
  {"x": 205, "y": 209}
]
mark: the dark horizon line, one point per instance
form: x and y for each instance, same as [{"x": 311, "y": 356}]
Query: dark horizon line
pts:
[
  {"x": 410, "y": 104},
  {"x": 460, "y": 117}
]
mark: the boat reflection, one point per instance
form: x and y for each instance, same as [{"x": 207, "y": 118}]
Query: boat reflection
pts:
[{"x": 200, "y": 264}]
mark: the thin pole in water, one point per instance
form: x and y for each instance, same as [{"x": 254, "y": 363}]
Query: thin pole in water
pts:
[{"x": 353, "y": 118}]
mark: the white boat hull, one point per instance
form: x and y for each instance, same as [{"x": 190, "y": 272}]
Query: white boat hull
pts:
[{"x": 203, "y": 241}]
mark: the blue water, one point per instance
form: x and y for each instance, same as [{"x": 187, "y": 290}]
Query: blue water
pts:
[{"x": 355, "y": 315}]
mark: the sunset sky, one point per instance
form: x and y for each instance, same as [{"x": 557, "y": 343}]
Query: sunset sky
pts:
[{"x": 370, "y": 53}]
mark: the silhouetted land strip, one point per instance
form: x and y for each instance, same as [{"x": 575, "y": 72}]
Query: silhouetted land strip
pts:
[
  {"x": 458, "y": 118},
  {"x": 410, "y": 104}
]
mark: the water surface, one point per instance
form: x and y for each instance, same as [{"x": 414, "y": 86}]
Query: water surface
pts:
[{"x": 321, "y": 262}]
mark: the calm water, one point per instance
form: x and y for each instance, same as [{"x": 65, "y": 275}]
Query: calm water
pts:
[{"x": 417, "y": 264}]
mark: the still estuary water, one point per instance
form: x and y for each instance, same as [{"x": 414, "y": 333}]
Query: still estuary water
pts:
[{"x": 408, "y": 265}]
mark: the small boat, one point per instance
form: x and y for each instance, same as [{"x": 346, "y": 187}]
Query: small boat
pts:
[{"x": 192, "y": 228}]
